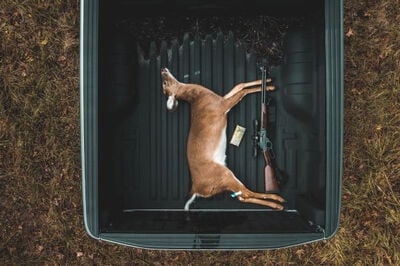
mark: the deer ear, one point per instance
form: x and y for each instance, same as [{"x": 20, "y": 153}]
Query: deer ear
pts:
[{"x": 172, "y": 103}]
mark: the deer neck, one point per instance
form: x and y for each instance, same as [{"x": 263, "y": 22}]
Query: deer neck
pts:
[{"x": 192, "y": 93}]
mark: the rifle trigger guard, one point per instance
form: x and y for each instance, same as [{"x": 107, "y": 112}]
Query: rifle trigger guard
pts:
[
  {"x": 271, "y": 153},
  {"x": 270, "y": 149}
]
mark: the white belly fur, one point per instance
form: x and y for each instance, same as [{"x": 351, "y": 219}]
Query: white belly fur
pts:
[{"x": 220, "y": 152}]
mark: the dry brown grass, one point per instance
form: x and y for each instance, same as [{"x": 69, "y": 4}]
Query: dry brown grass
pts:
[{"x": 40, "y": 197}]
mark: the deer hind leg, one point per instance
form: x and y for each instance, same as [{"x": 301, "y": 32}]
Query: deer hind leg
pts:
[
  {"x": 261, "y": 202},
  {"x": 231, "y": 183},
  {"x": 262, "y": 199}
]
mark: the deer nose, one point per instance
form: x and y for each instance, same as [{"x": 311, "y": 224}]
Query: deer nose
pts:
[{"x": 164, "y": 70}]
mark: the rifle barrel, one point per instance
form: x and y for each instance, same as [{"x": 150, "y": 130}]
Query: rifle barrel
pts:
[{"x": 263, "y": 84}]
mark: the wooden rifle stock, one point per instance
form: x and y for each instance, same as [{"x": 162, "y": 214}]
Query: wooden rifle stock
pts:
[{"x": 271, "y": 184}]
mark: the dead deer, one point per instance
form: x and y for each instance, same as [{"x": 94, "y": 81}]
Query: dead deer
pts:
[{"x": 206, "y": 145}]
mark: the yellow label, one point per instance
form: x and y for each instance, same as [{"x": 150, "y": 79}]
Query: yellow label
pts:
[{"x": 237, "y": 135}]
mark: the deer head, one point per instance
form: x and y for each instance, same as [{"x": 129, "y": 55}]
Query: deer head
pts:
[{"x": 171, "y": 88}]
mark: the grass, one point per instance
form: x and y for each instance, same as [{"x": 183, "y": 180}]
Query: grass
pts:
[{"x": 40, "y": 193}]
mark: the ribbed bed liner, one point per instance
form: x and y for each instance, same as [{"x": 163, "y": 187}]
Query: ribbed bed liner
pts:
[
  {"x": 150, "y": 168},
  {"x": 211, "y": 222}
]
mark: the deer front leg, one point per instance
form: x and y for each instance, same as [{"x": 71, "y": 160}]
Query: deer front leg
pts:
[
  {"x": 237, "y": 96},
  {"x": 234, "y": 99},
  {"x": 241, "y": 86},
  {"x": 245, "y": 85}
]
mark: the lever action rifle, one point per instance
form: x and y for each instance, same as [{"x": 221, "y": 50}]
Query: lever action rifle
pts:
[{"x": 261, "y": 140}]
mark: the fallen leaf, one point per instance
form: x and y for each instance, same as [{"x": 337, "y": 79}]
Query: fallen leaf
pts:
[
  {"x": 367, "y": 14},
  {"x": 350, "y": 32},
  {"x": 11, "y": 250},
  {"x": 300, "y": 252},
  {"x": 79, "y": 254},
  {"x": 39, "y": 248},
  {"x": 44, "y": 42},
  {"x": 389, "y": 259}
]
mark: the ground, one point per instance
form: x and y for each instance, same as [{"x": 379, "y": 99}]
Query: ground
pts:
[{"x": 41, "y": 219}]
